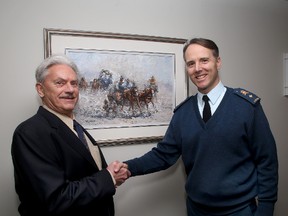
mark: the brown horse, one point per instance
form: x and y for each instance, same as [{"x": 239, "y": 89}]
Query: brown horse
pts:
[
  {"x": 131, "y": 95},
  {"x": 146, "y": 96},
  {"x": 127, "y": 97},
  {"x": 95, "y": 85},
  {"x": 116, "y": 97},
  {"x": 110, "y": 107},
  {"x": 83, "y": 84}
]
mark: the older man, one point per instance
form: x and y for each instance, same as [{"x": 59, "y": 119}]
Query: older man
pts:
[{"x": 60, "y": 170}]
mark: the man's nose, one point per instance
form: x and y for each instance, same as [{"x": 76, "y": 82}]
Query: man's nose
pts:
[
  {"x": 70, "y": 87},
  {"x": 198, "y": 66}
]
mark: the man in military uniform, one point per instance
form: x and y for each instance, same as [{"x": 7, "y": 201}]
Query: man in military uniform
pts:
[{"x": 230, "y": 156}]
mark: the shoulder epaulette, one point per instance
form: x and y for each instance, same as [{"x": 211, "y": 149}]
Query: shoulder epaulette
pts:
[
  {"x": 252, "y": 98},
  {"x": 179, "y": 105}
]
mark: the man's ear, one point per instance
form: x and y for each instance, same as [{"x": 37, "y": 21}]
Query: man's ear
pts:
[
  {"x": 219, "y": 63},
  {"x": 40, "y": 89}
]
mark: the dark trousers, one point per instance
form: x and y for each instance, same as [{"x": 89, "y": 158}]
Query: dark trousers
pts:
[{"x": 249, "y": 210}]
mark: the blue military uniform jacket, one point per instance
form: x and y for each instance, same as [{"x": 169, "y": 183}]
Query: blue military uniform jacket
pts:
[{"x": 229, "y": 160}]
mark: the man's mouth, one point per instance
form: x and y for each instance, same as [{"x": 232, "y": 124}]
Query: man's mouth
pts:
[
  {"x": 68, "y": 97},
  {"x": 201, "y": 77}
]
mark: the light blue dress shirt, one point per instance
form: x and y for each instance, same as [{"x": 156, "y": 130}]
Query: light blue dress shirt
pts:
[{"x": 215, "y": 97}]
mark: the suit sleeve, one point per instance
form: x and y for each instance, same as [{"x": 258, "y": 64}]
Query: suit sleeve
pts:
[{"x": 42, "y": 173}]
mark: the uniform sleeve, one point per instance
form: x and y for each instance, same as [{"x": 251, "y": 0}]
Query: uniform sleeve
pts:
[
  {"x": 158, "y": 158},
  {"x": 265, "y": 156}
]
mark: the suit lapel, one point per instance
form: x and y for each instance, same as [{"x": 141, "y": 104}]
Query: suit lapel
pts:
[
  {"x": 74, "y": 142},
  {"x": 65, "y": 132}
]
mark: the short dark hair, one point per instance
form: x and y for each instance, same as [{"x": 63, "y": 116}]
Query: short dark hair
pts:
[{"x": 209, "y": 44}]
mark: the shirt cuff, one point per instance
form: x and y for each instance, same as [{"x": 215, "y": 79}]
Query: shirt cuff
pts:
[{"x": 114, "y": 181}]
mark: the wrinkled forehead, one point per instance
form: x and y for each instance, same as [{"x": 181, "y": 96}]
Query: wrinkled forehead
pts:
[{"x": 61, "y": 71}]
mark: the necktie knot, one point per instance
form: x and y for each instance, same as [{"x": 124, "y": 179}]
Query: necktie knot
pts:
[
  {"x": 207, "y": 109},
  {"x": 205, "y": 98}
]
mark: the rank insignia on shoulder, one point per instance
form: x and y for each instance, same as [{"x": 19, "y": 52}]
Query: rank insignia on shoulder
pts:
[
  {"x": 179, "y": 105},
  {"x": 252, "y": 98}
]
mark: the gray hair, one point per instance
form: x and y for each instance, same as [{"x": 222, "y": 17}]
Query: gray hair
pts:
[{"x": 43, "y": 68}]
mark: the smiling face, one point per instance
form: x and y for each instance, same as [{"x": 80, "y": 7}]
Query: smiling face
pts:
[
  {"x": 59, "y": 91},
  {"x": 202, "y": 67}
]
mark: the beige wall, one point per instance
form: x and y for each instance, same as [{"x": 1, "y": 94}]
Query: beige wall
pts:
[{"x": 252, "y": 36}]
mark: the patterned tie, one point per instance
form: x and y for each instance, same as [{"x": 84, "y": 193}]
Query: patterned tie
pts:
[
  {"x": 207, "y": 109},
  {"x": 78, "y": 128}
]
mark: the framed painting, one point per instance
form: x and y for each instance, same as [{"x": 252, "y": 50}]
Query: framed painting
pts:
[{"x": 129, "y": 84}]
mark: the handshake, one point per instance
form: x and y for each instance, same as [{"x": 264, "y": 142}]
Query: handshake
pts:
[{"x": 119, "y": 171}]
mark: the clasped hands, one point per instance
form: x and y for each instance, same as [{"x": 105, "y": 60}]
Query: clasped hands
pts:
[{"x": 119, "y": 171}]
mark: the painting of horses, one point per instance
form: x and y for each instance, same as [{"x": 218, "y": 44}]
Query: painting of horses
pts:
[{"x": 124, "y": 88}]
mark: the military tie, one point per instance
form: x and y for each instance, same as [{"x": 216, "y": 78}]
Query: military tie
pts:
[{"x": 207, "y": 109}]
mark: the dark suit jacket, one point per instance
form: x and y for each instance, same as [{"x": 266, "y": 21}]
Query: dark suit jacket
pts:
[{"x": 55, "y": 174}]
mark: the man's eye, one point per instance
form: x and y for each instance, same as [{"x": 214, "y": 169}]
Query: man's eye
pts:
[
  {"x": 75, "y": 84},
  {"x": 59, "y": 83},
  {"x": 190, "y": 64},
  {"x": 204, "y": 60}
]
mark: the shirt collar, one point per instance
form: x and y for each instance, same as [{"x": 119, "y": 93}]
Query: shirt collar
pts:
[
  {"x": 67, "y": 120},
  {"x": 214, "y": 94}
]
